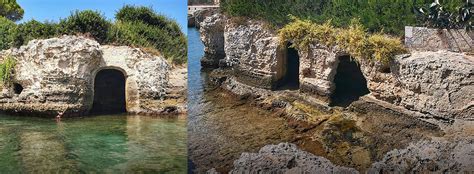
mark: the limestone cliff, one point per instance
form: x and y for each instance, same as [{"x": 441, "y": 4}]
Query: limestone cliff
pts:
[{"x": 58, "y": 73}]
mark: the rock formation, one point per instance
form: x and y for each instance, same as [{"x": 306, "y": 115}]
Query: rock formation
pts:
[
  {"x": 433, "y": 156},
  {"x": 212, "y": 29},
  {"x": 285, "y": 158},
  {"x": 59, "y": 73},
  {"x": 437, "y": 84}
]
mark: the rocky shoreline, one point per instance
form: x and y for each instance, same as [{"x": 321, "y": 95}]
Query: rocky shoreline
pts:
[
  {"x": 436, "y": 84},
  {"x": 417, "y": 102},
  {"x": 400, "y": 128}
]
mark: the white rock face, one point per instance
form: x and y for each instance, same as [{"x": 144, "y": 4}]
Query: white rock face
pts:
[
  {"x": 212, "y": 29},
  {"x": 59, "y": 73},
  {"x": 436, "y": 84},
  {"x": 253, "y": 50}
]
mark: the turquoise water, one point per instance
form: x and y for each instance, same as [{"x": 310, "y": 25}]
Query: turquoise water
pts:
[{"x": 101, "y": 144}]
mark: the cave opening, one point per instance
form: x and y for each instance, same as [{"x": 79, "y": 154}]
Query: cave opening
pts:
[
  {"x": 109, "y": 92},
  {"x": 291, "y": 70},
  {"x": 17, "y": 88},
  {"x": 350, "y": 83}
]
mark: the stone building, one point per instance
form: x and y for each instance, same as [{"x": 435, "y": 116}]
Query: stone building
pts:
[{"x": 78, "y": 75}]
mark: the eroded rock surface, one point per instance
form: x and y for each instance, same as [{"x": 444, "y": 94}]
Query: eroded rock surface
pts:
[
  {"x": 429, "y": 156},
  {"x": 436, "y": 84},
  {"x": 58, "y": 74},
  {"x": 212, "y": 36},
  {"x": 285, "y": 158}
]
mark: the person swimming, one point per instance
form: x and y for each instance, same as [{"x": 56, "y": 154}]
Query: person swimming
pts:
[{"x": 60, "y": 115}]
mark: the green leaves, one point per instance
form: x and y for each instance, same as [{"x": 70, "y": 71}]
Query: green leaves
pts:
[
  {"x": 439, "y": 15},
  {"x": 33, "y": 30},
  {"x": 354, "y": 39},
  {"x": 142, "y": 27},
  {"x": 86, "y": 22},
  {"x": 6, "y": 70},
  {"x": 11, "y": 10},
  {"x": 134, "y": 26},
  {"x": 390, "y": 16},
  {"x": 7, "y": 29}
]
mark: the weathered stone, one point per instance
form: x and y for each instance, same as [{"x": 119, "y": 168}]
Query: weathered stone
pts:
[
  {"x": 433, "y": 156},
  {"x": 253, "y": 51},
  {"x": 285, "y": 158},
  {"x": 200, "y": 15},
  {"x": 431, "y": 39},
  {"x": 59, "y": 73},
  {"x": 212, "y": 29},
  {"x": 436, "y": 84}
]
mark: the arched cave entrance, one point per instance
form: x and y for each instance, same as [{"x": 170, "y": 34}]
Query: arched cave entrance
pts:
[
  {"x": 350, "y": 83},
  {"x": 291, "y": 69},
  {"x": 109, "y": 92}
]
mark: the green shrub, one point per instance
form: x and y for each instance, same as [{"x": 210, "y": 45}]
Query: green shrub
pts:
[
  {"x": 390, "y": 16},
  {"x": 146, "y": 15},
  {"x": 7, "y": 29},
  {"x": 354, "y": 39},
  {"x": 6, "y": 70},
  {"x": 384, "y": 47},
  {"x": 142, "y": 27},
  {"x": 11, "y": 10},
  {"x": 34, "y": 30},
  {"x": 86, "y": 22},
  {"x": 135, "y": 26},
  {"x": 304, "y": 32},
  {"x": 139, "y": 34}
]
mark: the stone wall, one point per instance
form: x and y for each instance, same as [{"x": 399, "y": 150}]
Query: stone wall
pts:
[
  {"x": 429, "y": 39},
  {"x": 59, "y": 73},
  {"x": 437, "y": 84}
]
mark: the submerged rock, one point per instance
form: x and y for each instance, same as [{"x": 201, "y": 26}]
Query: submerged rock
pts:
[
  {"x": 59, "y": 73},
  {"x": 285, "y": 158}
]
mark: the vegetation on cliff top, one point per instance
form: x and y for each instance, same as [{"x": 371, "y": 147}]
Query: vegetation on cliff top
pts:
[
  {"x": 354, "y": 39},
  {"x": 134, "y": 26},
  {"x": 6, "y": 70},
  {"x": 389, "y": 16}
]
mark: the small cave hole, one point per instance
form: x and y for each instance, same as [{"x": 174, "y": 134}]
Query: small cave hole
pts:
[
  {"x": 386, "y": 70},
  {"x": 291, "y": 79},
  {"x": 350, "y": 83},
  {"x": 17, "y": 88}
]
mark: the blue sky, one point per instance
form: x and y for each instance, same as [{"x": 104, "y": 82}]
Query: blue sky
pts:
[{"x": 53, "y": 10}]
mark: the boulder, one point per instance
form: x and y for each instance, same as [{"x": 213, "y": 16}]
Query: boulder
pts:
[{"x": 285, "y": 158}]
